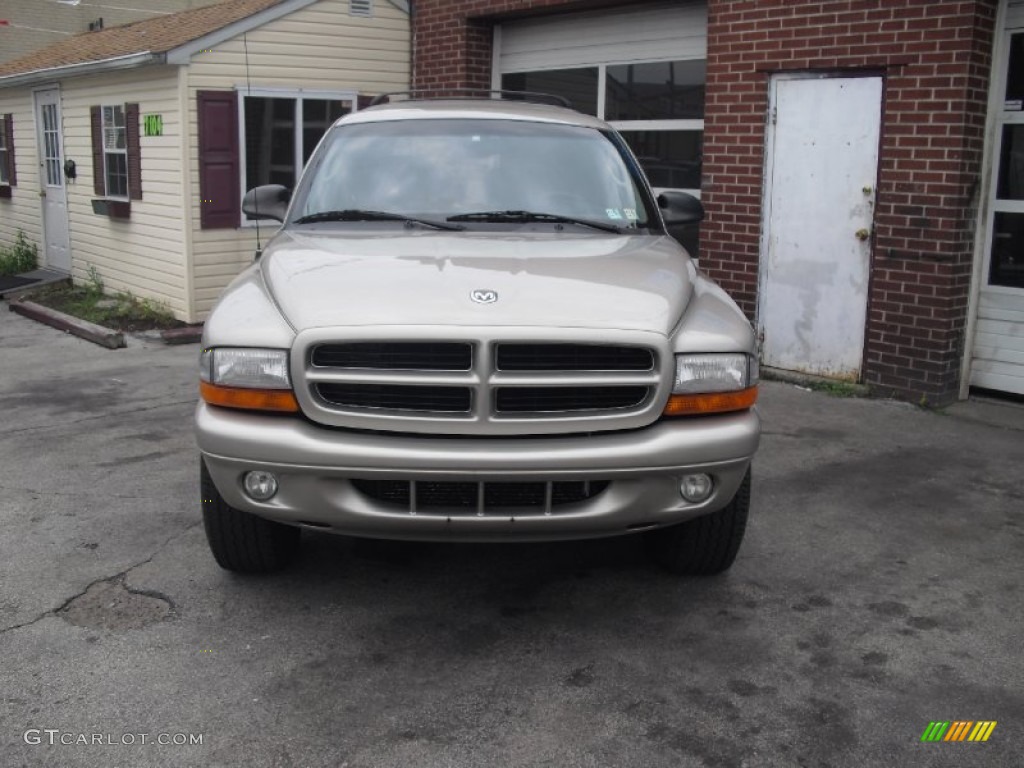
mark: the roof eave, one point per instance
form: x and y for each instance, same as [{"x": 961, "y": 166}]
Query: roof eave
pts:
[{"x": 127, "y": 61}]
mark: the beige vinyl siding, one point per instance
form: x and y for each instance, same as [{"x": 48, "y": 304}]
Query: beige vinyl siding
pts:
[
  {"x": 22, "y": 211},
  {"x": 145, "y": 254},
  {"x": 318, "y": 48}
]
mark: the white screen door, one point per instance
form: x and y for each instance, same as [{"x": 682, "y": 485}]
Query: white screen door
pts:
[
  {"x": 51, "y": 180},
  {"x": 822, "y": 164}
]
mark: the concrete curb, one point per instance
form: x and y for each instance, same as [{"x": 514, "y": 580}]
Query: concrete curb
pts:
[
  {"x": 97, "y": 334},
  {"x": 811, "y": 381},
  {"x": 189, "y": 335}
]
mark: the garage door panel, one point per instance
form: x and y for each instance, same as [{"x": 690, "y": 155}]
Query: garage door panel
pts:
[{"x": 657, "y": 32}]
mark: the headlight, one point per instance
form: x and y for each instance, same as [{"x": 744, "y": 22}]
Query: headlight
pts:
[
  {"x": 253, "y": 368},
  {"x": 254, "y": 379},
  {"x": 713, "y": 373},
  {"x": 713, "y": 383}
]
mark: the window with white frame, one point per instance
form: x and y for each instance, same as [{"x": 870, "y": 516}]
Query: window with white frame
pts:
[
  {"x": 4, "y": 176},
  {"x": 281, "y": 130},
  {"x": 657, "y": 106},
  {"x": 115, "y": 152}
]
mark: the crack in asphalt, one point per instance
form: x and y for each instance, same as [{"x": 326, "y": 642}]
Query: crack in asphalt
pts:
[
  {"x": 104, "y": 415},
  {"x": 119, "y": 575}
]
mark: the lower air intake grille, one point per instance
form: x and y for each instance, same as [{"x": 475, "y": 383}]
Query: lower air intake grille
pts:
[{"x": 466, "y": 498}]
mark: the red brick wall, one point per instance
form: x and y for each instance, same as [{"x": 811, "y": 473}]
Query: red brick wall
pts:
[{"x": 935, "y": 55}]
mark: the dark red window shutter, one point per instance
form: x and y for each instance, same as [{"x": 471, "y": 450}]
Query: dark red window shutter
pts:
[
  {"x": 220, "y": 200},
  {"x": 131, "y": 126},
  {"x": 99, "y": 183},
  {"x": 12, "y": 175}
]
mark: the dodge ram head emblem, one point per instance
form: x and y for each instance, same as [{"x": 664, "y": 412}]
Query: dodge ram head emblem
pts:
[{"x": 484, "y": 296}]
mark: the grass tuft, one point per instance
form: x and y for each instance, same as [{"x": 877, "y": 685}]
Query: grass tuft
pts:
[{"x": 21, "y": 257}]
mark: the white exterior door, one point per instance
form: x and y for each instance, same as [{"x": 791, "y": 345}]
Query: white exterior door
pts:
[
  {"x": 57, "y": 251},
  {"x": 822, "y": 164}
]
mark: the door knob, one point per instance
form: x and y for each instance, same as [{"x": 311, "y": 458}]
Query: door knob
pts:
[{"x": 862, "y": 234}]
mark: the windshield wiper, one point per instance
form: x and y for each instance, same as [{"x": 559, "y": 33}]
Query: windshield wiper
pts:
[
  {"x": 528, "y": 216},
  {"x": 356, "y": 214}
]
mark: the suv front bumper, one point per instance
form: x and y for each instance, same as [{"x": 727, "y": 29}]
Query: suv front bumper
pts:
[{"x": 314, "y": 466}]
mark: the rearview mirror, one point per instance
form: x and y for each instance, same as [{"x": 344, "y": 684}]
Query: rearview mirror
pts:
[
  {"x": 678, "y": 208},
  {"x": 267, "y": 202}
]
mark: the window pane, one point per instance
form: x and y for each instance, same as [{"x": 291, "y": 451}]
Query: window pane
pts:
[
  {"x": 440, "y": 168},
  {"x": 269, "y": 142},
  {"x": 669, "y": 158},
  {"x": 1011, "y": 164},
  {"x": 1015, "y": 73},
  {"x": 667, "y": 90},
  {"x": 3, "y": 166},
  {"x": 579, "y": 86},
  {"x": 117, "y": 174},
  {"x": 317, "y": 116},
  {"x": 1007, "y": 267}
]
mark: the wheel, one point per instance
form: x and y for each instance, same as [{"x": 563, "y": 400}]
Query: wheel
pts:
[
  {"x": 705, "y": 545},
  {"x": 240, "y": 541}
]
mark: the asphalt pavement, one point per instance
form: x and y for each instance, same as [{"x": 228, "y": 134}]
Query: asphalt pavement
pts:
[{"x": 878, "y": 590}]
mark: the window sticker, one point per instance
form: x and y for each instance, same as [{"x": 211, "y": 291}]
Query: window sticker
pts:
[
  {"x": 613, "y": 213},
  {"x": 630, "y": 213}
]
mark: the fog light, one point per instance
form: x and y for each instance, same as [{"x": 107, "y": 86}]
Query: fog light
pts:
[
  {"x": 260, "y": 485},
  {"x": 696, "y": 488}
]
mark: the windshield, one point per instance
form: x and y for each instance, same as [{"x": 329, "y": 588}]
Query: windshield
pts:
[{"x": 437, "y": 169}]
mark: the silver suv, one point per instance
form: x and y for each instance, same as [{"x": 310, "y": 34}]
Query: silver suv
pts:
[{"x": 474, "y": 325}]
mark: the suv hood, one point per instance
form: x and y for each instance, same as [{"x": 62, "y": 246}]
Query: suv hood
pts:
[{"x": 337, "y": 278}]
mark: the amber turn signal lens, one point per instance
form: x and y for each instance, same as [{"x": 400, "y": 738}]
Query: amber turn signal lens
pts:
[
  {"x": 280, "y": 400},
  {"x": 712, "y": 402}
]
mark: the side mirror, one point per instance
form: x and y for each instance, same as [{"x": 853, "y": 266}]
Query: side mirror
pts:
[
  {"x": 267, "y": 202},
  {"x": 678, "y": 208}
]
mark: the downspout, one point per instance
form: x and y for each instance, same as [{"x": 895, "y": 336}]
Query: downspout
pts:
[{"x": 412, "y": 45}]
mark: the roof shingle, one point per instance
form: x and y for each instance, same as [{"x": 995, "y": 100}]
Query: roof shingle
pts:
[{"x": 159, "y": 35}]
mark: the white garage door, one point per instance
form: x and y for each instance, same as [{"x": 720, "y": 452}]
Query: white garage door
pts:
[
  {"x": 662, "y": 31},
  {"x": 998, "y": 352}
]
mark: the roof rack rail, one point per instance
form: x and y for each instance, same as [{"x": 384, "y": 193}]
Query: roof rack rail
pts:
[{"x": 473, "y": 93}]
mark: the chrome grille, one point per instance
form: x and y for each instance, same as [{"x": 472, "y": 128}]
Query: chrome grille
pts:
[
  {"x": 507, "y": 381},
  {"x": 395, "y": 356},
  {"x": 572, "y": 357},
  {"x": 397, "y": 397},
  {"x": 562, "y": 399},
  {"x": 481, "y": 499}
]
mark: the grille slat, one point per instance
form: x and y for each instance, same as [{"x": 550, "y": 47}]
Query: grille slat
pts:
[
  {"x": 397, "y": 397},
  {"x": 465, "y": 497},
  {"x": 562, "y": 399},
  {"x": 572, "y": 357},
  {"x": 395, "y": 356}
]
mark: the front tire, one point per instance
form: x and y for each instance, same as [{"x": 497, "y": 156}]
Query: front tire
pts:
[
  {"x": 705, "y": 545},
  {"x": 240, "y": 541}
]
